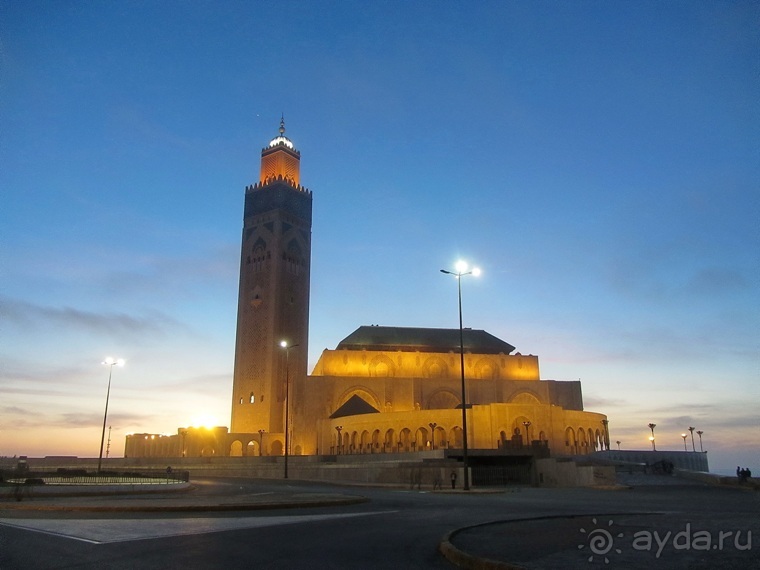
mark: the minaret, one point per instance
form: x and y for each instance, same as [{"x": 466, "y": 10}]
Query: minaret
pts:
[{"x": 273, "y": 299}]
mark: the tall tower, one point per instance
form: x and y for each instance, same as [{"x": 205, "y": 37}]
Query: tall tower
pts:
[{"x": 273, "y": 299}]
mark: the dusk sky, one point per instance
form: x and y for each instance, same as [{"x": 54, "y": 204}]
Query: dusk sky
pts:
[{"x": 597, "y": 160}]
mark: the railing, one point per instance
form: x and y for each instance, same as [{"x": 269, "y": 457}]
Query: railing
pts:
[{"x": 82, "y": 477}]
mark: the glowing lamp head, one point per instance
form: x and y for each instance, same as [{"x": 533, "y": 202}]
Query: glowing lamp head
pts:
[
  {"x": 110, "y": 361},
  {"x": 476, "y": 271},
  {"x": 284, "y": 344}
]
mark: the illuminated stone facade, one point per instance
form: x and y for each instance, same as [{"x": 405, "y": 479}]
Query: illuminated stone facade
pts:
[{"x": 383, "y": 389}]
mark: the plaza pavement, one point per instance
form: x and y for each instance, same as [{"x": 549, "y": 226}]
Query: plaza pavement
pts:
[{"x": 611, "y": 537}]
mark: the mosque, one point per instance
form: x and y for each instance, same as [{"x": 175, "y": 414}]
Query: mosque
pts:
[{"x": 383, "y": 389}]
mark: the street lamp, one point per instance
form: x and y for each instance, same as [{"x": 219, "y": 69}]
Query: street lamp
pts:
[
  {"x": 110, "y": 362},
  {"x": 618, "y": 442},
  {"x": 606, "y": 442},
  {"x": 652, "y": 426},
  {"x": 284, "y": 344},
  {"x": 527, "y": 432},
  {"x": 699, "y": 433},
  {"x": 432, "y": 425},
  {"x": 693, "y": 447},
  {"x": 461, "y": 271},
  {"x": 338, "y": 429},
  {"x": 683, "y": 435},
  {"x": 261, "y": 440},
  {"x": 183, "y": 433}
]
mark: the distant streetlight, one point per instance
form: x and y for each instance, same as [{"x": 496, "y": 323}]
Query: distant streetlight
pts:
[
  {"x": 284, "y": 344},
  {"x": 652, "y": 426},
  {"x": 338, "y": 429},
  {"x": 432, "y": 425},
  {"x": 691, "y": 430},
  {"x": 110, "y": 362},
  {"x": 618, "y": 442},
  {"x": 699, "y": 433},
  {"x": 183, "y": 433},
  {"x": 261, "y": 440},
  {"x": 461, "y": 271},
  {"x": 683, "y": 435},
  {"x": 527, "y": 432}
]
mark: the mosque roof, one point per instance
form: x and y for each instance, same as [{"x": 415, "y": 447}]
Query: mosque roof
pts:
[{"x": 409, "y": 339}]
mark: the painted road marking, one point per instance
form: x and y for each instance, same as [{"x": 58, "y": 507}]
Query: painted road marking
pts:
[{"x": 105, "y": 531}]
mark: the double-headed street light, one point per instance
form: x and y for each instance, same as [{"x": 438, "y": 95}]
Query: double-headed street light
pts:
[
  {"x": 699, "y": 433},
  {"x": 110, "y": 362},
  {"x": 693, "y": 447},
  {"x": 461, "y": 271},
  {"x": 652, "y": 426},
  {"x": 284, "y": 344}
]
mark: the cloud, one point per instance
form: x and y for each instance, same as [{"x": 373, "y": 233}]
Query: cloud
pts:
[{"x": 31, "y": 316}]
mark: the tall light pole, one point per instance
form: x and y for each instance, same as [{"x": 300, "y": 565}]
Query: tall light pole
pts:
[
  {"x": 261, "y": 440},
  {"x": 693, "y": 447},
  {"x": 527, "y": 432},
  {"x": 618, "y": 442},
  {"x": 183, "y": 434},
  {"x": 699, "y": 433},
  {"x": 683, "y": 435},
  {"x": 652, "y": 426},
  {"x": 432, "y": 425},
  {"x": 110, "y": 362},
  {"x": 284, "y": 344},
  {"x": 461, "y": 271}
]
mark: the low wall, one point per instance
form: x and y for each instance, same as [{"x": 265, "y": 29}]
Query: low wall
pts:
[
  {"x": 391, "y": 469},
  {"x": 563, "y": 473},
  {"x": 715, "y": 479}
]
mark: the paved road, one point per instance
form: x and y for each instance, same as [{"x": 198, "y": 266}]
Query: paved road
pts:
[{"x": 395, "y": 528}]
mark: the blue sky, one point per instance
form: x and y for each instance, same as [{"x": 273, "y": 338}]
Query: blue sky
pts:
[{"x": 597, "y": 160}]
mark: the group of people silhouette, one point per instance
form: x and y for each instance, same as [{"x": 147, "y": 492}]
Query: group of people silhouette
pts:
[{"x": 743, "y": 473}]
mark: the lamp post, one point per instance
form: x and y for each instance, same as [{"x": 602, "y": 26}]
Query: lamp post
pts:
[
  {"x": 183, "y": 433},
  {"x": 432, "y": 425},
  {"x": 261, "y": 440},
  {"x": 693, "y": 447},
  {"x": 606, "y": 442},
  {"x": 652, "y": 426},
  {"x": 461, "y": 271},
  {"x": 338, "y": 429},
  {"x": 110, "y": 362},
  {"x": 284, "y": 344},
  {"x": 618, "y": 442},
  {"x": 527, "y": 432},
  {"x": 683, "y": 435},
  {"x": 699, "y": 433}
]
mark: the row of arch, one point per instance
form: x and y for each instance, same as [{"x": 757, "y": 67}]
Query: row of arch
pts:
[
  {"x": 392, "y": 441},
  {"x": 577, "y": 441},
  {"x": 583, "y": 440},
  {"x": 441, "y": 399},
  {"x": 485, "y": 368}
]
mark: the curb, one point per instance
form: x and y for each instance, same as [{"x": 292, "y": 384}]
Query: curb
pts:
[
  {"x": 462, "y": 559},
  {"x": 314, "y": 503}
]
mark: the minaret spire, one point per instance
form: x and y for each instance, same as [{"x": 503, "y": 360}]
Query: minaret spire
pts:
[{"x": 282, "y": 125}]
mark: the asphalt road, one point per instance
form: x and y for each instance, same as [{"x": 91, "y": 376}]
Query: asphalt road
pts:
[{"x": 395, "y": 528}]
